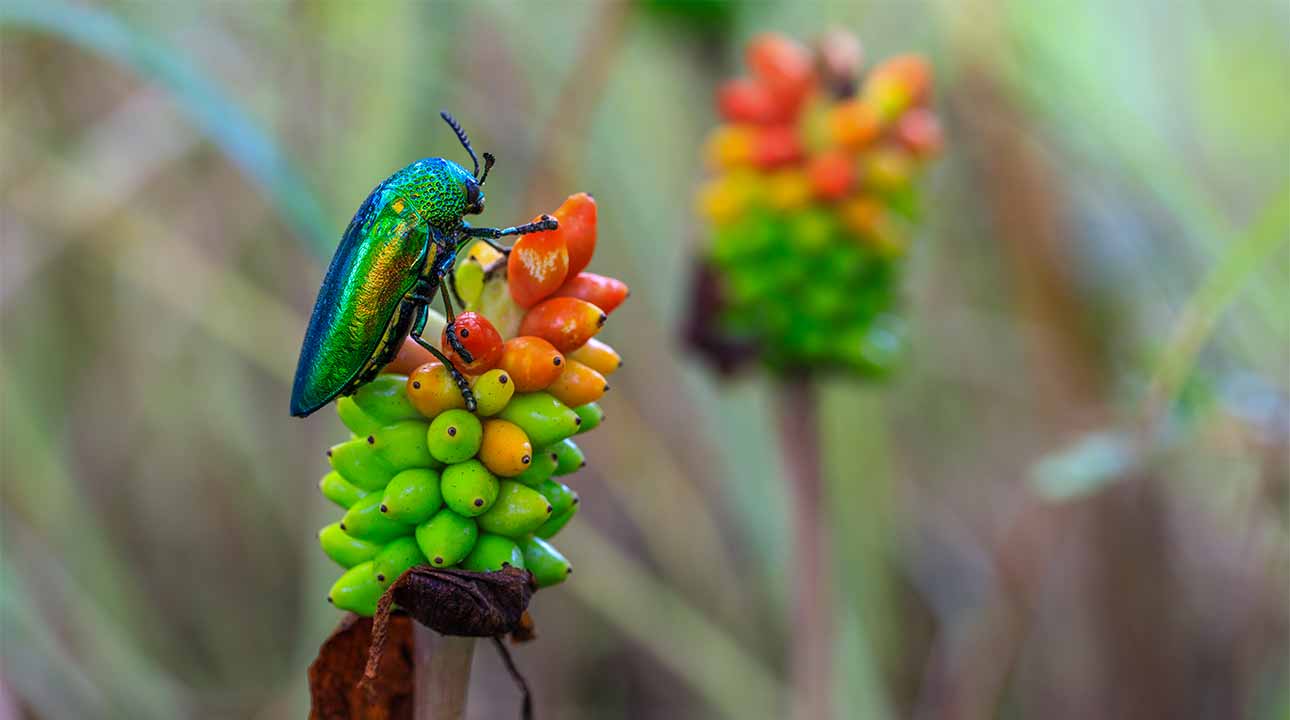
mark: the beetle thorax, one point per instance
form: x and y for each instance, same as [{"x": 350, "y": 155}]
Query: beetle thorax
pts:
[{"x": 436, "y": 188}]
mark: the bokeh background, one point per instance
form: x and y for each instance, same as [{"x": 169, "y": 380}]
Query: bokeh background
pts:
[{"x": 1070, "y": 502}]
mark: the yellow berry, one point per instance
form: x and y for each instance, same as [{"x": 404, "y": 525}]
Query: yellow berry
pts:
[{"x": 506, "y": 450}]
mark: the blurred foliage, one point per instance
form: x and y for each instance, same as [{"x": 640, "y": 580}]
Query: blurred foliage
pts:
[{"x": 1108, "y": 225}]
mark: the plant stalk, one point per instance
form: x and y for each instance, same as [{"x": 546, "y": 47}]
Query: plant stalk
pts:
[
  {"x": 811, "y": 639},
  {"x": 441, "y": 664}
]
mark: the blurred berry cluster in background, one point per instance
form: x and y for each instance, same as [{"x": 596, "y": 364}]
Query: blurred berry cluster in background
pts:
[{"x": 813, "y": 206}]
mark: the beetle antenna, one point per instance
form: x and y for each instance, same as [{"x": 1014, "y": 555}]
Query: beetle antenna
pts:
[
  {"x": 461, "y": 135},
  {"x": 488, "y": 165}
]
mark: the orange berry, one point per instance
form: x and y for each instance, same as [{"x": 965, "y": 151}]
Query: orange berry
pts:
[
  {"x": 531, "y": 362},
  {"x": 578, "y": 385},
  {"x": 832, "y": 174},
  {"x": 730, "y": 146},
  {"x": 898, "y": 84},
  {"x": 565, "y": 322},
  {"x": 853, "y": 124},
  {"x": 577, "y": 217},
  {"x": 860, "y": 214},
  {"x": 537, "y": 265},
  {"x": 914, "y": 74},
  {"x": 598, "y": 356},
  {"x": 431, "y": 390},
  {"x": 605, "y": 293},
  {"x": 505, "y": 449}
]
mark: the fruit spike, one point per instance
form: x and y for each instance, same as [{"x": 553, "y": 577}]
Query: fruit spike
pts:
[{"x": 423, "y": 480}]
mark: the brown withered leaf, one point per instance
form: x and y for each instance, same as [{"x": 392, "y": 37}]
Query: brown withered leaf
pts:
[
  {"x": 461, "y": 602},
  {"x": 334, "y": 675},
  {"x": 702, "y": 331},
  {"x": 353, "y": 677},
  {"x": 454, "y": 602}
]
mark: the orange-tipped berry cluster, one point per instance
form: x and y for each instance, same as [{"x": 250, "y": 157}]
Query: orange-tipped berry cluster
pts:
[
  {"x": 424, "y": 481},
  {"x": 812, "y": 205}
]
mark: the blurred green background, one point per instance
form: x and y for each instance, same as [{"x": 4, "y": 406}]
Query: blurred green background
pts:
[{"x": 1070, "y": 504}]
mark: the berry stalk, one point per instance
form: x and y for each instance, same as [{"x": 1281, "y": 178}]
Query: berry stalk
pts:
[
  {"x": 812, "y": 648},
  {"x": 442, "y": 665}
]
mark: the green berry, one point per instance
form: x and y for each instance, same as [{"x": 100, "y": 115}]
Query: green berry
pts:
[
  {"x": 455, "y": 436},
  {"x": 468, "y": 488},
  {"x": 385, "y": 399},
  {"x": 357, "y": 590},
  {"x": 403, "y": 444},
  {"x": 543, "y": 418},
  {"x": 568, "y": 457},
  {"x": 340, "y": 491},
  {"x": 366, "y": 522},
  {"x": 592, "y": 415},
  {"x": 557, "y": 522},
  {"x": 447, "y": 538},
  {"x": 519, "y": 510},
  {"x": 548, "y": 565},
  {"x": 358, "y": 422},
  {"x": 412, "y": 496},
  {"x": 493, "y": 390},
  {"x": 345, "y": 550},
  {"x": 491, "y": 553},
  {"x": 357, "y": 462},
  {"x": 561, "y": 496},
  {"x": 395, "y": 558},
  {"x": 540, "y": 468}
]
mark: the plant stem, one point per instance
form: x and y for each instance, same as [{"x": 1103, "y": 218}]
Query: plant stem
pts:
[
  {"x": 812, "y": 648},
  {"x": 442, "y": 669}
]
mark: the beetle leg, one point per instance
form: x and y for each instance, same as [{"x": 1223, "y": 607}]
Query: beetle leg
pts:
[
  {"x": 490, "y": 235},
  {"x": 462, "y": 385},
  {"x": 451, "y": 328}
]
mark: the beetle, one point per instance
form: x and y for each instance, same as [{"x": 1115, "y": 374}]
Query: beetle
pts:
[{"x": 394, "y": 256}]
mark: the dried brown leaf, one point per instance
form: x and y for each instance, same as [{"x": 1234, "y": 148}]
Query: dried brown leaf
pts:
[{"x": 334, "y": 675}]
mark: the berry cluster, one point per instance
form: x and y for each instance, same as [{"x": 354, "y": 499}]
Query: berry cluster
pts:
[
  {"x": 813, "y": 204},
  {"x": 423, "y": 480}
]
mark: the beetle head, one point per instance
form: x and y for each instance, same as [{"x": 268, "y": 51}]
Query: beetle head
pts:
[{"x": 474, "y": 197}]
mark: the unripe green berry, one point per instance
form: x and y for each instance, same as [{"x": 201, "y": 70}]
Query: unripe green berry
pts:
[
  {"x": 347, "y": 551},
  {"x": 492, "y": 553},
  {"x": 446, "y": 538},
  {"x": 468, "y": 488},
  {"x": 412, "y": 496},
  {"x": 519, "y": 510},
  {"x": 454, "y": 436},
  {"x": 357, "y": 590},
  {"x": 396, "y": 557}
]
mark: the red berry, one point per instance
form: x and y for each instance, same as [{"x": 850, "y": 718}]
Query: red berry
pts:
[
  {"x": 604, "y": 292},
  {"x": 783, "y": 66},
  {"x": 748, "y": 101},
  {"x": 478, "y": 336},
  {"x": 920, "y": 131},
  {"x": 776, "y": 145}
]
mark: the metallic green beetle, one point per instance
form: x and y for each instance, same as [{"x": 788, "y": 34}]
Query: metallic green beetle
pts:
[{"x": 394, "y": 256}]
